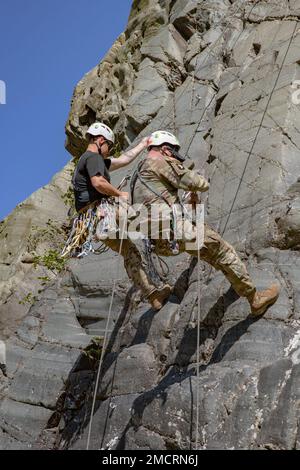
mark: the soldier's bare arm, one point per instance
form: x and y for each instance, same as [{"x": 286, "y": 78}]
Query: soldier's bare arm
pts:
[
  {"x": 127, "y": 157},
  {"x": 104, "y": 187}
]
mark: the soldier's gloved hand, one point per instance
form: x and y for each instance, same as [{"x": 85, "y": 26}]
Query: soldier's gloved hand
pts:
[{"x": 193, "y": 198}]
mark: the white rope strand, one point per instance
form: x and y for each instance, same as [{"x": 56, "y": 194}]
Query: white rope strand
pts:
[
  {"x": 104, "y": 340},
  {"x": 198, "y": 334}
]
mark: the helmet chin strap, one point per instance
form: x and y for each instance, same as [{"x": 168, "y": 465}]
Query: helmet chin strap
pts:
[
  {"x": 98, "y": 147},
  {"x": 176, "y": 154}
]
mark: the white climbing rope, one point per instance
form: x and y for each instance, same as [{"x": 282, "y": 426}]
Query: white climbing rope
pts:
[
  {"x": 198, "y": 264},
  {"x": 259, "y": 127},
  {"x": 198, "y": 336},
  {"x": 241, "y": 178},
  {"x": 198, "y": 238}
]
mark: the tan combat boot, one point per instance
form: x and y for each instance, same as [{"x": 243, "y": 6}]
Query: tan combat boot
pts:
[
  {"x": 159, "y": 296},
  {"x": 260, "y": 301}
]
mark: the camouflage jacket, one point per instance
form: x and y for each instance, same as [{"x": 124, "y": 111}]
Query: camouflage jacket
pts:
[{"x": 166, "y": 175}]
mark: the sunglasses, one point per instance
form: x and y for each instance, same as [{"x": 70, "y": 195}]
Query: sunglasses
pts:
[{"x": 109, "y": 144}]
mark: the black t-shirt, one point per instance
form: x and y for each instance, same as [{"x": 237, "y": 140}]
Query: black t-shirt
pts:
[{"x": 90, "y": 164}]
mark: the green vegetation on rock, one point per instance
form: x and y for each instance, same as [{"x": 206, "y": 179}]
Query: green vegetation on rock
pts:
[{"x": 51, "y": 260}]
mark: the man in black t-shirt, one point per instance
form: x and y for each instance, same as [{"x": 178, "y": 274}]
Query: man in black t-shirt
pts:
[
  {"x": 91, "y": 182},
  {"x": 90, "y": 164},
  {"x": 91, "y": 179}
]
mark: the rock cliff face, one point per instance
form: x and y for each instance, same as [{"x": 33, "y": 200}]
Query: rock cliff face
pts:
[
  {"x": 222, "y": 75},
  {"x": 32, "y": 230}
]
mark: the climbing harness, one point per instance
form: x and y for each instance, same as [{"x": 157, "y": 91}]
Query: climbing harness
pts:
[
  {"x": 94, "y": 223},
  {"x": 106, "y": 216},
  {"x": 189, "y": 146},
  {"x": 173, "y": 242}
]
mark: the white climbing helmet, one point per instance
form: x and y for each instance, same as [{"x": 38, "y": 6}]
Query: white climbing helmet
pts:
[
  {"x": 98, "y": 128},
  {"x": 163, "y": 137}
]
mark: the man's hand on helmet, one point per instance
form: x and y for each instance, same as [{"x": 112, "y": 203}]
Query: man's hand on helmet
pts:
[{"x": 145, "y": 141}]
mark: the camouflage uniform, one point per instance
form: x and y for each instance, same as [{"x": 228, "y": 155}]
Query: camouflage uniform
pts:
[
  {"x": 134, "y": 264},
  {"x": 166, "y": 175},
  {"x": 135, "y": 254}
]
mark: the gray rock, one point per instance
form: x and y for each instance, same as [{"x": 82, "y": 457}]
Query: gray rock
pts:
[
  {"x": 22, "y": 421},
  {"x": 205, "y": 71},
  {"x": 166, "y": 46},
  {"x": 41, "y": 379},
  {"x": 150, "y": 92},
  {"x": 27, "y": 228},
  {"x": 102, "y": 437},
  {"x": 64, "y": 328},
  {"x": 139, "y": 371}
]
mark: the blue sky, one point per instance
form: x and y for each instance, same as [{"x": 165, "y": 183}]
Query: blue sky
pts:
[{"x": 46, "y": 46}]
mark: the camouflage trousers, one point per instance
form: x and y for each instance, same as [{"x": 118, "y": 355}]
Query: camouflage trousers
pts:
[
  {"x": 133, "y": 263},
  {"x": 215, "y": 251}
]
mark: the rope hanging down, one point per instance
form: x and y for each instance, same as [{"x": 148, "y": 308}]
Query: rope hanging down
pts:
[
  {"x": 114, "y": 287},
  {"x": 105, "y": 339},
  {"x": 240, "y": 182},
  {"x": 260, "y": 126},
  {"x": 198, "y": 247}
]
